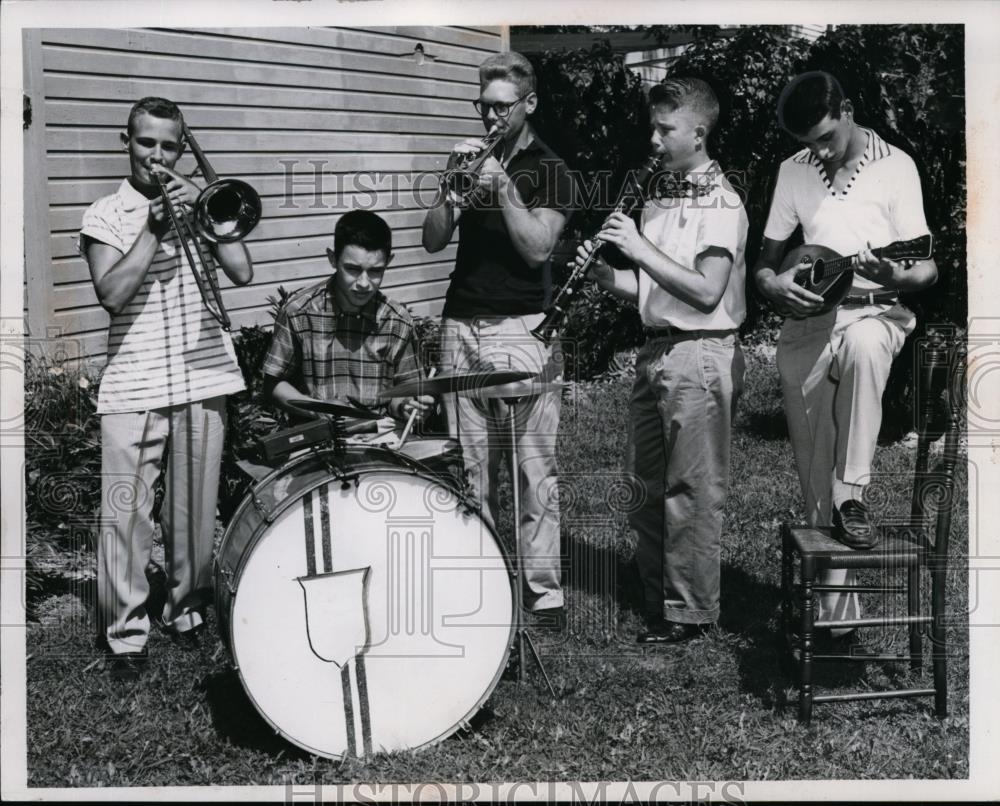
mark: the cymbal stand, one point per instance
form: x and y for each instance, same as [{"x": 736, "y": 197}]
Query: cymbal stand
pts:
[{"x": 521, "y": 634}]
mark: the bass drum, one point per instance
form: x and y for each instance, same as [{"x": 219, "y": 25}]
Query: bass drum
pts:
[{"x": 365, "y": 605}]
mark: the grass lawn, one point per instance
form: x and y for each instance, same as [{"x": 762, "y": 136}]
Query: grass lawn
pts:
[{"x": 719, "y": 708}]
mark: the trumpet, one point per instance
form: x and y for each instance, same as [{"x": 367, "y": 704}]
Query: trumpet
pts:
[
  {"x": 226, "y": 210},
  {"x": 630, "y": 197},
  {"x": 462, "y": 179}
]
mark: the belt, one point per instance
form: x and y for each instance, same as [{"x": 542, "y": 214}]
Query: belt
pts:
[
  {"x": 684, "y": 335},
  {"x": 871, "y": 298}
]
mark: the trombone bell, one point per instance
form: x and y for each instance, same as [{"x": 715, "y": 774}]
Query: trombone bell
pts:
[{"x": 227, "y": 210}]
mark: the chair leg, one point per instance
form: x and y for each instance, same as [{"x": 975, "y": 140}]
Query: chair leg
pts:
[
  {"x": 939, "y": 641},
  {"x": 913, "y": 609},
  {"x": 806, "y": 655}
]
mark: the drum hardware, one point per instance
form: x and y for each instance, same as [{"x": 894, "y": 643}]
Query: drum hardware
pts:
[
  {"x": 518, "y": 390},
  {"x": 334, "y": 408},
  {"x": 283, "y": 443},
  {"x": 521, "y": 635},
  {"x": 454, "y": 382},
  {"x": 228, "y": 576}
]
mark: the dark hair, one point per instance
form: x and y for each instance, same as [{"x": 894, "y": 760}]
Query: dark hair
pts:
[
  {"x": 808, "y": 99},
  {"x": 157, "y": 107},
  {"x": 689, "y": 93},
  {"x": 510, "y": 66},
  {"x": 362, "y": 228}
]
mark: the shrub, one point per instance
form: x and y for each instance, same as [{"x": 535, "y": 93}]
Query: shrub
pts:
[
  {"x": 62, "y": 457},
  {"x": 907, "y": 82}
]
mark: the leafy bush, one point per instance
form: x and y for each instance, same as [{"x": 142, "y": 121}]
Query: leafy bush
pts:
[
  {"x": 62, "y": 458},
  {"x": 907, "y": 83}
]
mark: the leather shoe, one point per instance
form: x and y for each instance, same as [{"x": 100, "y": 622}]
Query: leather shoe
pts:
[
  {"x": 126, "y": 667},
  {"x": 848, "y": 643},
  {"x": 189, "y": 640},
  {"x": 852, "y": 527},
  {"x": 671, "y": 632}
]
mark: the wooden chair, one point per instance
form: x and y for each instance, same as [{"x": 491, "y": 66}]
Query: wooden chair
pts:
[{"x": 915, "y": 547}]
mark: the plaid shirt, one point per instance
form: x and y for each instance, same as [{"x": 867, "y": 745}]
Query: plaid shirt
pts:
[{"x": 332, "y": 354}]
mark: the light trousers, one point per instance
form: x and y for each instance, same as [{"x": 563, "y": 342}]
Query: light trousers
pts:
[
  {"x": 834, "y": 368},
  {"x": 482, "y": 426},
  {"x": 189, "y": 438},
  {"x": 682, "y": 409}
]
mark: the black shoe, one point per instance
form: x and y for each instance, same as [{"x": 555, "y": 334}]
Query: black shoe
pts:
[
  {"x": 852, "y": 527},
  {"x": 189, "y": 640},
  {"x": 551, "y": 618},
  {"x": 672, "y": 632},
  {"x": 126, "y": 667}
]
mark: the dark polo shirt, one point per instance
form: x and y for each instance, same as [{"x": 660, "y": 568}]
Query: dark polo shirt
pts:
[{"x": 490, "y": 277}]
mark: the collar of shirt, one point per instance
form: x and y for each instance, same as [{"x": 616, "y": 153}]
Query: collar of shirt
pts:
[
  {"x": 132, "y": 199},
  {"x": 534, "y": 144},
  {"x": 707, "y": 173},
  {"x": 702, "y": 180},
  {"x": 368, "y": 311}
]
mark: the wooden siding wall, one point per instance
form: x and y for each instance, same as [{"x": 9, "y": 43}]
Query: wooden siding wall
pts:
[{"x": 340, "y": 117}]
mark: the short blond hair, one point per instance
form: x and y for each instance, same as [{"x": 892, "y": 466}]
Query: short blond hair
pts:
[{"x": 510, "y": 66}]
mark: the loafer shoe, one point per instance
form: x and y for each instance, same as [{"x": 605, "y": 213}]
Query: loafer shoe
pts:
[
  {"x": 189, "y": 640},
  {"x": 852, "y": 527},
  {"x": 671, "y": 632},
  {"x": 126, "y": 667}
]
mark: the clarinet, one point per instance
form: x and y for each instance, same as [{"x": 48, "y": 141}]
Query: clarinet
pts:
[{"x": 630, "y": 197}]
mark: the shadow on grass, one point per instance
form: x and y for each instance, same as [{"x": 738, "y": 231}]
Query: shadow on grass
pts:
[
  {"x": 235, "y": 717},
  {"x": 769, "y": 425},
  {"x": 602, "y": 571},
  {"x": 751, "y": 609}
]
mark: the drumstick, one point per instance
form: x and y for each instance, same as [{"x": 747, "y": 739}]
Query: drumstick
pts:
[{"x": 413, "y": 416}]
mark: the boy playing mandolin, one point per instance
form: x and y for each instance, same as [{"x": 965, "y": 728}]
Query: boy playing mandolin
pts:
[{"x": 851, "y": 191}]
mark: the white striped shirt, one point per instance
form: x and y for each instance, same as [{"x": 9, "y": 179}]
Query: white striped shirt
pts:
[{"x": 164, "y": 348}]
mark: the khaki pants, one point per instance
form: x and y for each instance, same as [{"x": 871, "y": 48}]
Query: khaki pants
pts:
[
  {"x": 133, "y": 449},
  {"x": 682, "y": 409},
  {"x": 833, "y": 370},
  {"x": 482, "y": 427}
]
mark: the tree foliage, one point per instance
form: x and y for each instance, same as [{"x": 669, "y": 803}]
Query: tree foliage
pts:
[{"x": 906, "y": 82}]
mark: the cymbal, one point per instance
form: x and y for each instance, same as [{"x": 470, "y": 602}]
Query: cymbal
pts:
[
  {"x": 334, "y": 407},
  {"x": 517, "y": 389},
  {"x": 454, "y": 382}
]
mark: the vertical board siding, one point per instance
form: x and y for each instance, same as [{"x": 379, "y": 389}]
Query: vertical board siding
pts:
[{"x": 318, "y": 120}]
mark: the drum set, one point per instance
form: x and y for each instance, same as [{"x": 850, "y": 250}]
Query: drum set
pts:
[{"x": 365, "y": 603}]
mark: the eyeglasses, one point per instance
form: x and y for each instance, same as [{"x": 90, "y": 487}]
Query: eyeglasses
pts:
[{"x": 502, "y": 109}]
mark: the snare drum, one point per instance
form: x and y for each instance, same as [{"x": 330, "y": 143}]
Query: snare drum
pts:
[{"x": 366, "y": 607}]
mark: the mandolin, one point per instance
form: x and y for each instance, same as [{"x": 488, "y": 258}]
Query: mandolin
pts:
[{"x": 830, "y": 275}]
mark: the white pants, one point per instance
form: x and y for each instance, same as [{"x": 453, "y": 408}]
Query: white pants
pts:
[
  {"x": 133, "y": 449},
  {"x": 833, "y": 370},
  {"x": 482, "y": 427}
]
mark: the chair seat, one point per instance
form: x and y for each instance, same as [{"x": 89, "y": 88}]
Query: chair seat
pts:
[{"x": 900, "y": 544}]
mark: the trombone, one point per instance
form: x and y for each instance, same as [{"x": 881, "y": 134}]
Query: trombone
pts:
[{"x": 226, "y": 210}]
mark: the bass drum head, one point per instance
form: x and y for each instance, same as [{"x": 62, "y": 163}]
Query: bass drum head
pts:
[{"x": 373, "y": 614}]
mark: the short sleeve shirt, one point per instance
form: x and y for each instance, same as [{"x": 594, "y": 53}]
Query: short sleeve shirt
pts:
[
  {"x": 684, "y": 228},
  {"x": 490, "y": 277},
  {"x": 880, "y": 204},
  {"x": 333, "y": 354},
  {"x": 164, "y": 348}
]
